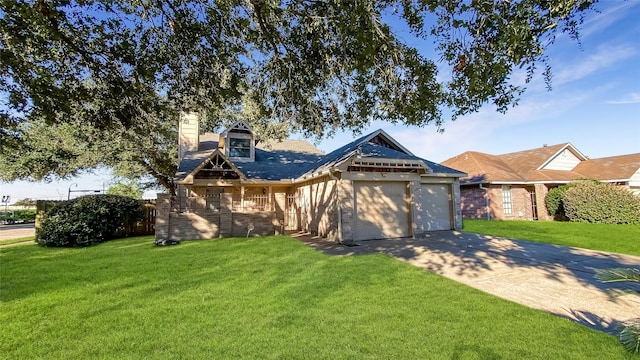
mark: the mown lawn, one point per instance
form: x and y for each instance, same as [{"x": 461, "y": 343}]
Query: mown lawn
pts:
[
  {"x": 261, "y": 298},
  {"x": 623, "y": 239},
  {"x": 16, "y": 240}
]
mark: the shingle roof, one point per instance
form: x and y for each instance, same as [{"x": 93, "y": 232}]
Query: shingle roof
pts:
[
  {"x": 290, "y": 159},
  {"x": 371, "y": 150},
  {"x": 523, "y": 166},
  {"x": 610, "y": 168},
  {"x": 297, "y": 155}
]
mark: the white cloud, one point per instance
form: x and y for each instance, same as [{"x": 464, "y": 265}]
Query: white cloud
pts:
[
  {"x": 633, "y": 98},
  {"x": 478, "y": 132},
  {"x": 597, "y": 22},
  {"x": 604, "y": 57}
]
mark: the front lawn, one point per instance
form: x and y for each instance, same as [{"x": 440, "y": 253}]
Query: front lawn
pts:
[
  {"x": 623, "y": 239},
  {"x": 267, "y": 297},
  {"x": 17, "y": 240}
]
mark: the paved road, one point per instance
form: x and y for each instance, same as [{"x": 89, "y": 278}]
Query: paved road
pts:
[
  {"x": 552, "y": 278},
  {"x": 16, "y": 231}
]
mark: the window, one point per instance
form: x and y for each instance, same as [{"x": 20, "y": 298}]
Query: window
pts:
[
  {"x": 506, "y": 200},
  {"x": 239, "y": 148}
]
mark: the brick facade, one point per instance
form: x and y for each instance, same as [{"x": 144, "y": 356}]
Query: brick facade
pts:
[{"x": 527, "y": 202}]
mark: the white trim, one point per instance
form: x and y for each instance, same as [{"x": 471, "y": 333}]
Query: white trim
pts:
[{"x": 571, "y": 148}]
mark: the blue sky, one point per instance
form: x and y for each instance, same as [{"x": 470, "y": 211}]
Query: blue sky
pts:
[{"x": 594, "y": 104}]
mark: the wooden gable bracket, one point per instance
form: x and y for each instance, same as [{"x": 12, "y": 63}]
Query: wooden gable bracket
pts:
[{"x": 215, "y": 166}]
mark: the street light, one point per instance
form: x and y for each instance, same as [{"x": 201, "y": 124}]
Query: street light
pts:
[
  {"x": 5, "y": 200},
  {"x": 69, "y": 191}
]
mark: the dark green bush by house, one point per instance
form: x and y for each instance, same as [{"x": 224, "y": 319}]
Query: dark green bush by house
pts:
[
  {"x": 87, "y": 220},
  {"x": 553, "y": 200},
  {"x": 601, "y": 203}
]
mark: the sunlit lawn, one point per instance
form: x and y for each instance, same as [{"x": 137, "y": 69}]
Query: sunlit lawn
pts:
[
  {"x": 261, "y": 298},
  {"x": 16, "y": 240},
  {"x": 623, "y": 239}
]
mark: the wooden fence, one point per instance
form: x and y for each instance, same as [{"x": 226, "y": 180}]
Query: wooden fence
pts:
[{"x": 134, "y": 228}]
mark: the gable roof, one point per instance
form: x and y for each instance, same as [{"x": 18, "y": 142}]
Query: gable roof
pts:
[
  {"x": 274, "y": 160},
  {"x": 376, "y": 145},
  {"x": 292, "y": 159},
  {"x": 531, "y": 166},
  {"x": 619, "y": 167}
]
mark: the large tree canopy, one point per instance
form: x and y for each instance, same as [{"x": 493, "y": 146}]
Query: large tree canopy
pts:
[{"x": 112, "y": 75}]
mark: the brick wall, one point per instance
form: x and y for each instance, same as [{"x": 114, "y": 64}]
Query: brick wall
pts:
[{"x": 474, "y": 202}]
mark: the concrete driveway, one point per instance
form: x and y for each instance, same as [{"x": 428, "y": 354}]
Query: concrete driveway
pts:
[{"x": 556, "y": 279}]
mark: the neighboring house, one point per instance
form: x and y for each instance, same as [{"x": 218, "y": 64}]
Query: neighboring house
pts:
[
  {"x": 231, "y": 184},
  {"x": 514, "y": 185}
]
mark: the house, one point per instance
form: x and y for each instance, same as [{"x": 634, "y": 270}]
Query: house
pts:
[
  {"x": 514, "y": 185},
  {"x": 233, "y": 184}
]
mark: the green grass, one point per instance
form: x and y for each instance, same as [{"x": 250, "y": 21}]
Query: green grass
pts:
[
  {"x": 17, "y": 240},
  {"x": 623, "y": 239},
  {"x": 270, "y": 298}
]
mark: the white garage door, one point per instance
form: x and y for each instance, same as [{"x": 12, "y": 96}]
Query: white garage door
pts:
[
  {"x": 382, "y": 210},
  {"x": 436, "y": 207}
]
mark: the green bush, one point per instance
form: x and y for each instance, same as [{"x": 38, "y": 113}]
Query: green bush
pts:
[
  {"x": 553, "y": 200},
  {"x": 25, "y": 215},
  {"x": 601, "y": 203},
  {"x": 87, "y": 220}
]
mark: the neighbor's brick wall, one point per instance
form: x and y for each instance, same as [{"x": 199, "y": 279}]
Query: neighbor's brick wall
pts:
[
  {"x": 473, "y": 202},
  {"x": 521, "y": 204},
  {"x": 541, "y": 193}
]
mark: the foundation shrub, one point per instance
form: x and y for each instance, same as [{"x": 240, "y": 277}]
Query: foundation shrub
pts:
[
  {"x": 87, "y": 220},
  {"x": 596, "y": 202},
  {"x": 553, "y": 200}
]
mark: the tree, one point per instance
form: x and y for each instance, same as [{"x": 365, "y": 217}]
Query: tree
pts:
[
  {"x": 26, "y": 202},
  {"x": 127, "y": 189},
  {"x": 123, "y": 69}
]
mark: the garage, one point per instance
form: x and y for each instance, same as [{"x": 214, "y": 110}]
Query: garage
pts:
[
  {"x": 436, "y": 207},
  {"x": 382, "y": 210}
]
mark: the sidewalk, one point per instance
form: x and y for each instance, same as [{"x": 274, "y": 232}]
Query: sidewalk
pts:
[{"x": 556, "y": 279}]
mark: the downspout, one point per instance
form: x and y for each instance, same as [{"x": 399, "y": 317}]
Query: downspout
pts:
[
  {"x": 337, "y": 201},
  {"x": 486, "y": 201}
]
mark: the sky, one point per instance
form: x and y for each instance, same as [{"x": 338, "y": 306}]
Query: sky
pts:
[{"x": 594, "y": 105}]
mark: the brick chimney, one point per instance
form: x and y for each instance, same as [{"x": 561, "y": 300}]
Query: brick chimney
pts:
[{"x": 188, "y": 133}]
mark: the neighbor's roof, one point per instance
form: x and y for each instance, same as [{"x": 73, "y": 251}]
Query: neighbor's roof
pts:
[
  {"x": 526, "y": 166},
  {"x": 610, "y": 168}
]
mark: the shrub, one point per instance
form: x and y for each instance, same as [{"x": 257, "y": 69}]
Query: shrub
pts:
[
  {"x": 593, "y": 202},
  {"x": 25, "y": 215},
  {"x": 553, "y": 200},
  {"x": 87, "y": 220}
]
